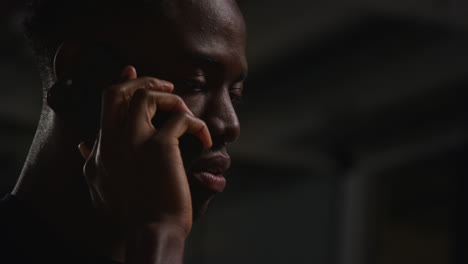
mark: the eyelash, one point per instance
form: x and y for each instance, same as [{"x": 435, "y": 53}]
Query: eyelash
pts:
[
  {"x": 236, "y": 100},
  {"x": 197, "y": 86}
]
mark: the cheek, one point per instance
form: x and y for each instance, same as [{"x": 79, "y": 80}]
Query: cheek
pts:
[{"x": 196, "y": 102}]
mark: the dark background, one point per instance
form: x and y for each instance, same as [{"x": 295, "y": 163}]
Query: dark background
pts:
[{"x": 354, "y": 139}]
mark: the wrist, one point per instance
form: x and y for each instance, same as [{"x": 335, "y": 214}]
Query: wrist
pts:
[
  {"x": 164, "y": 229},
  {"x": 155, "y": 243}
]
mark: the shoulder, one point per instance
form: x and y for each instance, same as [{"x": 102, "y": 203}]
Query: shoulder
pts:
[
  {"x": 11, "y": 250},
  {"x": 25, "y": 239}
]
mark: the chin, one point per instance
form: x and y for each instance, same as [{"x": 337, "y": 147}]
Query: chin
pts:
[
  {"x": 200, "y": 200},
  {"x": 199, "y": 210}
]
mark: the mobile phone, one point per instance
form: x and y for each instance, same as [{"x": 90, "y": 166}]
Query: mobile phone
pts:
[{"x": 76, "y": 98}]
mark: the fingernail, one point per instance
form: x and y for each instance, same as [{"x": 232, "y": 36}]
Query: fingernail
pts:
[
  {"x": 85, "y": 152},
  {"x": 80, "y": 148},
  {"x": 168, "y": 84},
  {"x": 124, "y": 75},
  {"x": 188, "y": 110},
  {"x": 128, "y": 73},
  {"x": 200, "y": 134}
]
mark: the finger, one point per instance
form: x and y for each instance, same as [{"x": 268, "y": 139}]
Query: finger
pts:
[
  {"x": 128, "y": 73},
  {"x": 143, "y": 107},
  {"x": 89, "y": 168},
  {"x": 116, "y": 100},
  {"x": 182, "y": 123},
  {"x": 84, "y": 150}
]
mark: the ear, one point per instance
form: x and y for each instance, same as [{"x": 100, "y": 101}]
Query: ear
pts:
[{"x": 65, "y": 57}]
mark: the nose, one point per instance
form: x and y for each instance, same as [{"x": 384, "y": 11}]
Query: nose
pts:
[{"x": 221, "y": 118}]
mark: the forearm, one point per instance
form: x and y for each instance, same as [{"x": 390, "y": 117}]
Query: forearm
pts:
[{"x": 155, "y": 244}]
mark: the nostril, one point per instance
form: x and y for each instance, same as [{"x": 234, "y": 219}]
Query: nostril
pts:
[
  {"x": 223, "y": 123},
  {"x": 224, "y": 132},
  {"x": 232, "y": 133}
]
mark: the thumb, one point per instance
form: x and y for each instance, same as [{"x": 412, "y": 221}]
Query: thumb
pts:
[
  {"x": 128, "y": 73},
  {"x": 84, "y": 150}
]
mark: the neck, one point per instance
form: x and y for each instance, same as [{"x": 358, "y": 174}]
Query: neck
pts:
[{"x": 53, "y": 185}]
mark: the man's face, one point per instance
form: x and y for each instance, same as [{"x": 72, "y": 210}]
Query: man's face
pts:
[{"x": 199, "y": 46}]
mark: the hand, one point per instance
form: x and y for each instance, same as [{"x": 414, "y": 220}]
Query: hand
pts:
[{"x": 135, "y": 172}]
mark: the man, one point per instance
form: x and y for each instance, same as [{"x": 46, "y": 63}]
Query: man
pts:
[{"x": 126, "y": 196}]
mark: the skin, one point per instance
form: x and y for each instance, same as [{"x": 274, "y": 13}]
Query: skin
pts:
[{"x": 189, "y": 61}]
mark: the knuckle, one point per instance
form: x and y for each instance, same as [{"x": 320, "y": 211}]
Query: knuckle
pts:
[
  {"x": 199, "y": 124},
  {"x": 116, "y": 93},
  {"x": 178, "y": 102},
  {"x": 159, "y": 139},
  {"x": 150, "y": 82},
  {"x": 112, "y": 91},
  {"x": 141, "y": 93},
  {"x": 184, "y": 116},
  {"x": 89, "y": 170},
  {"x": 163, "y": 140},
  {"x": 202, "y": 123},
  {"x": 178, "y": 99}
]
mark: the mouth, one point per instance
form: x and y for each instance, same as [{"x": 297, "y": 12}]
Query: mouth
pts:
[{"x": 208, "y": 171}]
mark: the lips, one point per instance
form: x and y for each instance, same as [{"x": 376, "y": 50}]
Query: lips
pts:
[{"x": 209, "y": 170}]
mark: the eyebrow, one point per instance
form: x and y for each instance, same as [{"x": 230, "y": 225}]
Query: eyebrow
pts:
[{"x": 209, "y": 61}]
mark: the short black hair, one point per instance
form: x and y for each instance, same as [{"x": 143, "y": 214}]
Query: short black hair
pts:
[{"x": 49, "y": 23}]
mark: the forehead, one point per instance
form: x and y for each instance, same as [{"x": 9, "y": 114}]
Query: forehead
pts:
[
  {"x": 203, "y": 15},
  {"x": 213, "y": 28}
]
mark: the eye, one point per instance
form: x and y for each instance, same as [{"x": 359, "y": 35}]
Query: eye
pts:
[
  {"x": 236, "y": 96},
  {"x": 195, "y": 84}
]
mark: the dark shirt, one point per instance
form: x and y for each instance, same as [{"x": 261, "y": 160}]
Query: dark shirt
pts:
[{"x": 24, "y": 238}]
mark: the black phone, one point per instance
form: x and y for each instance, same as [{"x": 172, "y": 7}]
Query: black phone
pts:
[{"x": 76, "y": 98}]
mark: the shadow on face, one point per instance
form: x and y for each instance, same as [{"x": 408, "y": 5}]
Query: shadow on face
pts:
[{"x": 200, "y": 47}]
